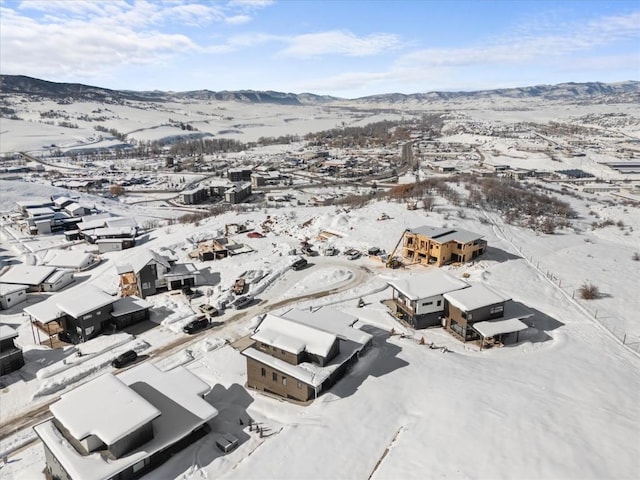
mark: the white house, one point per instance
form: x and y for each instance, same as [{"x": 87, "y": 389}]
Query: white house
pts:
[
  {"x": 124, "y": 426},
  {"x": 419, "y": 299},
  {"x": 69, "y": 259},
  {"x": 11, "y": 295},
  {"x": 37, "y": 277}
]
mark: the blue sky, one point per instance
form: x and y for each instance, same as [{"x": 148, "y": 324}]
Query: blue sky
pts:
[{"x": 341, "y": 47}]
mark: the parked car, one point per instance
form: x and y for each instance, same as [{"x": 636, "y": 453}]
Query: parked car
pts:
[
  {"x": 242, "y": 301},
  {"x": 354, "y": 255},
  {"x": 299, "y": 263},
  {"x": 209, "y": 310},
  {"x": 124, "y": 359},
  {"x": 255, "y": 235},
  {"x": 227, "y": 442},
  {"x": 196, "y": 325}
]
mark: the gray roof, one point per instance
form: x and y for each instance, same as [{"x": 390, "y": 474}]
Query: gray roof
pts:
[{"x": 444, "y": 235}]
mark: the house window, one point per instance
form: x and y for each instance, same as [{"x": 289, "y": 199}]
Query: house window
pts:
[
  {"x": 274, "y": 376},
  {"x": 263, "y": 372},
  {"x": 299, "y": 384},
  {"x": 284, "y": 381},
  {"x": 89, "y": 330},
  {"x": 497, "y": 309},
  {"x": 283, "y": 351},
  {"x": 439, "y": 303},
  {"x": 88, "y": 316},
  {"x": 427, "y": 303},
  {"x": 146, "y": 285},
  {"x": 138, "y": 466}
]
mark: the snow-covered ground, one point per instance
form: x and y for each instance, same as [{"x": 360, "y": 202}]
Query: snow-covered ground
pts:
[{"x": 562, "y": 403}]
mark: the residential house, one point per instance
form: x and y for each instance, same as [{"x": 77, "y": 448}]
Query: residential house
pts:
[
  {"x": 37, "y": 278},
  {"x": 419, "y": 299},
  {"x": 302, "y": 353},
  {"x": 12, "y": 294},
  {"x": 122, "y": 427},
  {"x": 239, "y": 174},
  {"x": 11, "y": 358},
  {"x": 84, "y": 312},
  {"x": 147, "y": 271},
  {"x": 70, "y": 259},
  {"x": 439, "y": 246},
  {"x": 479, "y": 313}
]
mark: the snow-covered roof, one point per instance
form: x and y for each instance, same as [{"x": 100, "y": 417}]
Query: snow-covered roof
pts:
[
  {"x": 46, "y": 311},
  {"x": 139, "y": 259},
  {"x": 94, "y": 221},
  {"x": 295, "y": 371},
  {"x": 75, "y": 302},
  {"x": 474, "y": 297},
  {"x": 493, "y": 328},
  {"x": 36, "y": 202},
  {"x": 6, "y": 332},
  {"x": 429, "y": 284},
  {"x": 126, "y": 305},
  {"x": 105, "y": 407},
  {"x": 82, "y": 300},
  {"x": 293, "y": 336},
  {"x": 7, "y": 288},
  {"x": 57, "y": 275},
  {"x": 68, "y": 258},
  {"x": 39, "y": 211},
  {"x": 125, "y": 230},
  {"x": 444, "y": 235},
  {"x": 178, "y": 386},
  {"x": 177, "y": 394},
  {"x": 27, "y": 274},
  {"x": 331, "y": 321}
]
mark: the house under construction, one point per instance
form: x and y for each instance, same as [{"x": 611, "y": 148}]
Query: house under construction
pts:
[{"x": 439, "y": 246}]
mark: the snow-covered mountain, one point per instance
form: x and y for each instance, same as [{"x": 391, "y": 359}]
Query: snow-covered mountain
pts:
[{"x": 18, "y": 84}]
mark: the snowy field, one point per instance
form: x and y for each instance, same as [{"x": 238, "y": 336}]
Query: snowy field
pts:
[{"x": 563, "y": 403}]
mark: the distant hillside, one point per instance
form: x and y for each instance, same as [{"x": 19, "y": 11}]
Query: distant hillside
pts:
[
  {"x": 70, "y": 92},
  {"x": 562, "y": 91}
]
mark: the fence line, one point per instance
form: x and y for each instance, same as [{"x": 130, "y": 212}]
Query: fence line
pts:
[{"x": 630, "y": 341}]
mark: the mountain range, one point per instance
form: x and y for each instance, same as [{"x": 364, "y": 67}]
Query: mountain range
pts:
[{"x": 628, "y": 91}]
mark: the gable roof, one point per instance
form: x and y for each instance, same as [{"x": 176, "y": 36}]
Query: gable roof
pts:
[
  {"x": 428, "y": 284},
  {"x": 140, "y": 259},
  {"x": 331, "y": 321},
  {"x": 293, "y": 337}
]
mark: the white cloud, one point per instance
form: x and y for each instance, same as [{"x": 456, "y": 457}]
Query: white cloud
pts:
[
  {"x": 85, "y": 47},
  {"x": 238, "y": 19},
  {"x": 551, "y": 41},
  {"x": 339, "y": 43}
]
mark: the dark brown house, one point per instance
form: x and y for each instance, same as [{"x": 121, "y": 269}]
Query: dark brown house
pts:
[
  {"x": 479, "y": 313},
  {"x": 299, "y": 355}
]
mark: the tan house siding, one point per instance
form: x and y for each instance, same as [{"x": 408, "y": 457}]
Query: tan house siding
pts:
[
  {"x": 421, "y": 249},
  {"x": 272, "y": 381}
]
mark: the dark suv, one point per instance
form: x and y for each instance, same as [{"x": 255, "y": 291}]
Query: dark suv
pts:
[
  {"x": 298, "y": 264},
  {"x": 124, "y": 359},
  {"x": 196, "y": 325}
]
